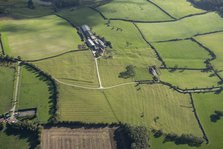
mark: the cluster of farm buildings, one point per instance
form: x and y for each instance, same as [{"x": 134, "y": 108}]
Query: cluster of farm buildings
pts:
[{"x": 93, "y": 42}]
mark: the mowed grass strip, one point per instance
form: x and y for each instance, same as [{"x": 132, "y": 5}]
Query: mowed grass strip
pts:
[
  {"x": 188, "y": 79},
  {"x": 206, "y": 104},
  {"x": 74, "y": 68},
  {"x": 40, "y": 37},
  {"x": 177, "y": 8},
  {"x": 6, "y": 88},
  {"x": 133, "y": 10},
  {"x": 184, "y": 28},
  {"x": 215, "y": 43},
  {"x": 183, "y": 54},
  {"x": 127, "y": 104},
  {"x": 34, "y": 93}
]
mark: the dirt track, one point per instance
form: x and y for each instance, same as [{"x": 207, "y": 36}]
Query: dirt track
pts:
[{"x": 67, "y": 138}]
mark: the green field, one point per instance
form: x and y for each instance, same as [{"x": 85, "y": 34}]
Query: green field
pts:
[
  {"x": 177, "y": 8},
  {"x": 126, "y": 104},
  {"x": 6, "y": 88},
  {"x": 39, "y": 38},
  {"x": 10, "y": 141},
  {"x": 214, "y": 42},
  {"x": 34, "y": 93},
  {"x": 74, "y": 68},
  {"x": 184, "y": 28},
  {"x": 183, "y": 54},
  {"x": 189, "y": 78},
  {"x": 133, "y": 10}
]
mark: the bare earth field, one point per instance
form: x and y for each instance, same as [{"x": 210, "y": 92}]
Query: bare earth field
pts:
[{"x": 78, "y": 138}]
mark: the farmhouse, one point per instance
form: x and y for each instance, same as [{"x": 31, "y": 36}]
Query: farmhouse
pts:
[{"x": 93, "y": 42}]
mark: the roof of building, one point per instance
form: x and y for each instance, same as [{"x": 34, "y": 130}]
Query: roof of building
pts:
[
  {"x": 85, "y": 28},
  {"x": 90, "y": 42}
]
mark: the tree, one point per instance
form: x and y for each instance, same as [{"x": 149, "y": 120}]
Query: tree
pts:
[
  {"x": 30, "y": 4},
  {"x": 130, "y": 72},
  {"x": 1, "y": 126}
]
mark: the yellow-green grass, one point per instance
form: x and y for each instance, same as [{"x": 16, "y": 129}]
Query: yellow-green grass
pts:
[
  {"x": 215, "y": 43},
  {"x": 11, "y": 141},
  {"x": 189, "y": 78},
  {"x": 133, "y": 10},
  {"x": 34, "y": 93},
  {"x": 83, "y": 105},
  {"x": 177, "y": 8},
  {"x": 128, "y": 46},
  {"x": 39, "y": 38},
  {"x": 206, "y": 104},
  {"x": 184, "y": 28},
  {"x": 127, "y": 104},
  {"x": 184, "y": 54},
  {"x": 74, "y": 68},
  {"x": 6, "y": 88}
]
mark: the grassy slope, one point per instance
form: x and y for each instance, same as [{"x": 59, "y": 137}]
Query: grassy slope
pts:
[
  {"x": 206, "y": 104},
  {"x": 133, "y": 10},
  {"x": 183, "y": 28},
  {"x": 75, "y": 68},
  {"x": 6, "y": 91},
  {"x": 215, "y": 43},
  {"x": 128, "y": 46},
  {"x": 189, "y": 78},
  {"x": 9, "y": 142},
  {"x": 128, "y": 104},
  {"x": 182, "y": 53},
  {"x": 34, "y": 93},
  {"x": 177, "y": 8},
  {"x": 40, "y": 37}
]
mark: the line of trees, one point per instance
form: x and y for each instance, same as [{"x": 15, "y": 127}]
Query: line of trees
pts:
[{"x": 189, "y": 139}]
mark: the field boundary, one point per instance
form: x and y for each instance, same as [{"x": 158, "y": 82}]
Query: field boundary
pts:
[
  {"x": 1, "y": 44},
  {"x": 198, "y": 119}
]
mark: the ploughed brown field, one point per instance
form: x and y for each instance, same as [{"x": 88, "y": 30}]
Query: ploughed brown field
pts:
[{"x": 78, "y": 138}]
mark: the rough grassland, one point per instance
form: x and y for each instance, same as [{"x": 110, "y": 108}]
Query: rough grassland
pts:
[
  {"x": 75, "y": 68},
  {"x": 40, "y": 37},
  {"x": 133, "y": 10},
  {"x": 177, "y": 8},
  {"x": 127, "y": 105},
  {"x": 215, "y": 43},
  {"x": 9, "y": 142},
  {"x": 6, "y": 88},
  {"x": 182, "y": 54},
  {"x": 34, "y": 93},
  {"x": 189, "y": 78},
  {"x": 184, "y": 28}
]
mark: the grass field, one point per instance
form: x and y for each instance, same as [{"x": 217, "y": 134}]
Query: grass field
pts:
[
  {"x": 183, "y": 54},
  {"x": 126, "y": 104},
  {"x": 133, "y": 10},
  {"x": 10, "y": 141},
  {"x": 75, "y": 68},
  {"x": 184, "y": 28},
  {"x": 6, "y": 88},
  {"x": 215, "y": 43},
  {"x": 177, "y": 8},
  {"x": 206, "y": 104},
  {"x": 38, "y": 38},
  {"x": 189, "y": 78},
  {"x": 34, "y": 93}
]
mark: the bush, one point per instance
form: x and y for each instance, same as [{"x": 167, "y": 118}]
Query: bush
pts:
[{"x": 1, "y": 126}]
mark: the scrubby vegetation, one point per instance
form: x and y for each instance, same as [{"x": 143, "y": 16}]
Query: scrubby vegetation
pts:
[{"x": 213, "y": 5}]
